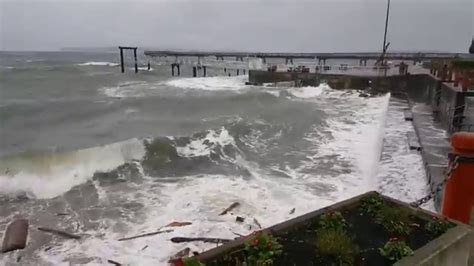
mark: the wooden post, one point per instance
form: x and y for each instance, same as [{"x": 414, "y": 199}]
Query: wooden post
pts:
[
  {"x": 178, "y": 66},
  {"x": 121, "y": 60},
  {"x": 204, "y": 71},
  {"x": 135, "y": 57},
  {"x": 243, "y": 70},
  {"x": 237, "y": 72},
  {"x": 194, "y": 72},
  {"x": 172, "y": 70},
  {"x": 225, "y": 70},
  {"x": 148, "y": 66}
]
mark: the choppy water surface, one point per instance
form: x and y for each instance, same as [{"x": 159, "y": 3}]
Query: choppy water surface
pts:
[{"x": 107, "y": 155}]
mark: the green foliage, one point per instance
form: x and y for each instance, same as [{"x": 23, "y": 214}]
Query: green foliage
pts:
[
  {"x": 262, "y": 249},
  {"x": 463, "y": 64},
  {"x": 337, "y": 245},
  {"x": 192, "y": 262},
  {"x": 438, "y": 226},
  {"x": 332, "y": 220},
  {"x": 395, "y": 249},
  {"x": 372, "y": 204},
  {"x": 394, "y": 220}
]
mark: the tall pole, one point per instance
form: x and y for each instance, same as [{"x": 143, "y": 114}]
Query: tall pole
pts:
[{"x": 386, "y": 27}]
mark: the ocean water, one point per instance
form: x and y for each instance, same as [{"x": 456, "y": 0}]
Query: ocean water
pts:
[{"x": 108, "y": 155}]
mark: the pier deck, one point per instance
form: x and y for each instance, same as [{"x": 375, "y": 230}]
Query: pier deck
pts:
[{"x": 364, "y": 56}]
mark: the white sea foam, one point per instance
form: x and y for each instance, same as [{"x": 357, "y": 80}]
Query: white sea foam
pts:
[
  {"x": 50, "y": 175},
  {"x": 203, "y": 146},
  {"x": 401, "y": 174},
  {"x": 93, "y": 63},
  {"x": 129, "y": 89},
  {"x": 309, "y": 92},
  {"x": 210, "y": 83},
  {"x": 356, "y": 137}
]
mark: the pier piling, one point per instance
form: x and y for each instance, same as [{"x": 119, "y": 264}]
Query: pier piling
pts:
[
  {"x": 121, "y": 60},
  {"x": 204, "y": 71},
  {"x": 122, "y": 65},
  {"x": 194, "y": 71},
  {"x": 135, "y": 58}
]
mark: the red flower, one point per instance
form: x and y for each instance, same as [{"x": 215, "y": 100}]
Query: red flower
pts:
[
  {"x": 255, "y": 242},
  {"x": 269, "y": 245}
]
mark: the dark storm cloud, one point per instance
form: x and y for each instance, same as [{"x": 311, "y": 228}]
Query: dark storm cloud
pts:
[{"x": 291, "y": 25}]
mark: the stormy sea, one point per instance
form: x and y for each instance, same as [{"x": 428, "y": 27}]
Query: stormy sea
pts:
[{"x": 105, "y": 155}]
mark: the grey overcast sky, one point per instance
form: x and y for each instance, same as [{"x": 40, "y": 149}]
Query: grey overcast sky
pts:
[{"x": 247, "y": 25}]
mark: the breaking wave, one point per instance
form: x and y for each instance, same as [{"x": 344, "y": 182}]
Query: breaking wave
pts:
[
  {"x": 98, "y": 64},
  {"x": 210, "y": 83},
  {"x": 50, "y": 175}
]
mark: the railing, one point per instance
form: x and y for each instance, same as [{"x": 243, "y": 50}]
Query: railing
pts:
[{"x": 458, "y": 72}]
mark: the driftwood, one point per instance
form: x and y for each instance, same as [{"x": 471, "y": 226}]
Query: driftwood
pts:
[
  {"x": 292, "y": 211},
  {"x": 114, "y": 262},
  {"x": 147, "y": 234},
  {"x": 59, "y": 233},
  {"x": 178, "y": 224},
  {"x": 257, "y": 223},
  {"x": 200, "y": 239},
  {"x": 237, "y": 234},
  {"x": 15, "y": 235},
  {"x": 231, "y": 207}
]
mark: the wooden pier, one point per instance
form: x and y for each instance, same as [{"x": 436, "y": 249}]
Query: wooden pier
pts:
[{"x": 418, "y": 57}]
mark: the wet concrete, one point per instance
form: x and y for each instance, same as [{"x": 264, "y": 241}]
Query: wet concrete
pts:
[{"x": 434, "y": 145}]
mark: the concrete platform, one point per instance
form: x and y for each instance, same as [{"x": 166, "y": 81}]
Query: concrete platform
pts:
[{"x": 434, "y": 145}]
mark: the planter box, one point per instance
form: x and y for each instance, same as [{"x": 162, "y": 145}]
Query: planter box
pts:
[{"x": 454, "y": 247}]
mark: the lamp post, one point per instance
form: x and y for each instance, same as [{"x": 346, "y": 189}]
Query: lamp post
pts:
[{"x": 384, "y": 48}]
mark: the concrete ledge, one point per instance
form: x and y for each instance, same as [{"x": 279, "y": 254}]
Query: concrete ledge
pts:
[{"x": 452, "y": 248}]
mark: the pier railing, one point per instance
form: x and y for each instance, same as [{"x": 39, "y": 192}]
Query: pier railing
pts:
[{"x": 459, "y": 72}]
